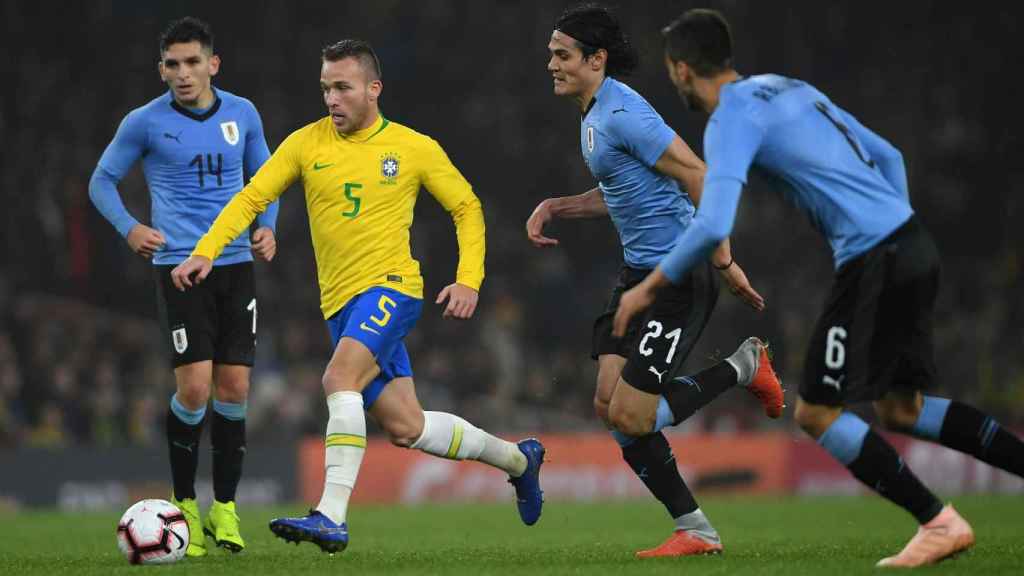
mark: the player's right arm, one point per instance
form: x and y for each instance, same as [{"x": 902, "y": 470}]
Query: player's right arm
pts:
[
  {"x": 885, "y": 155},
  {"x": 590, "y": 204},
  {"x": 272, "y": 179},
  {"x": 127, "y": 146}
]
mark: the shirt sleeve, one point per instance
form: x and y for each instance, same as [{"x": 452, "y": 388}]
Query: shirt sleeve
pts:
[
  {"x": 256, "y": 153},
  {"x": 271, "y": 180},
  {"x": 731, "y": 141},
  {"x": 445, "y": 183},
  {"x": 886, "y": 156},
  {"x": 128, "y": 145},
  {"x": 641, "y": 133}
]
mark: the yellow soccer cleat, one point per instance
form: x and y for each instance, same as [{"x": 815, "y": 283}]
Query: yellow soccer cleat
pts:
[
  {"x": 196, "y": 540},
  {"x": 222, "y": 525}
]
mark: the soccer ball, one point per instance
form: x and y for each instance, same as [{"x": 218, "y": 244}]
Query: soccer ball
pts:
[{"x": 152, "y": 532}]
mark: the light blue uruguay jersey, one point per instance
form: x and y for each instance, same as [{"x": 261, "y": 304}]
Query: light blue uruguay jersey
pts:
[
  {"x": 194, "y": 162},
  {"x": 849, "y": 181},
  {"x": 622, "y": 137}
]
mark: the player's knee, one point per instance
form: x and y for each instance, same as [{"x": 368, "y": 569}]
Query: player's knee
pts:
[
  {"x": 898, "y": 413},
  {"x": 815, "y": 419},
  {"x": 337, "y": 381},
  {"x": 193, "y": 395},
  {"x": 193, "y": 384},
  {"x": 234, "y": 390},
  {"x": 628, "y": 420}
]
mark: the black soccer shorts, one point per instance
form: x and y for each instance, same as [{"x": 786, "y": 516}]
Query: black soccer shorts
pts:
[
  {"x": 875, "y": 334},
  {"x": 658, "y": 341},
  {"x": 214, "y": 320}
]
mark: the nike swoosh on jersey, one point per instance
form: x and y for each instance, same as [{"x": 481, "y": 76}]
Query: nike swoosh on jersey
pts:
[
  {"x": 363, "y": 326},
  {"x": 318, "y": 166}
]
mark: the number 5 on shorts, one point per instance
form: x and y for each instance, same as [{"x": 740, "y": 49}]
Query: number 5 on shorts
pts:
[{"x": 383, "y": 304}]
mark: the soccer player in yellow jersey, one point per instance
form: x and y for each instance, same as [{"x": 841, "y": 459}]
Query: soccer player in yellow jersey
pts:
[{"x": 361, "y": 175}]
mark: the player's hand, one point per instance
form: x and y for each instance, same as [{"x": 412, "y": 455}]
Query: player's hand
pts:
[
  {"x": 145, "y": 240},
  {"x": 740, "y": 286},
  {"x": 535, "y": 226},
  {"x": 461, "y": 301},
  {"x": 632, "y": 302},
  {"x": 264, "y": 245},
  {"x": 182, "y": 275}
]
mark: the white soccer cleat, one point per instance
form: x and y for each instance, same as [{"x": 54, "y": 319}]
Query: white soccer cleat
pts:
[{"x": 946, "y": 535}]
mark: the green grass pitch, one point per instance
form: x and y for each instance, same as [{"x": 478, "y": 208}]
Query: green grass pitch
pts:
[{"x": 784, "y": 536}]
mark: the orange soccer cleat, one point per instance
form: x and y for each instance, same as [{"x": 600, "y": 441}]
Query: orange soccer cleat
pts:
[
  {"x": 682, "y": 543},
  {"x": 946, "y": 535},
  {"x": 765, "y": 384}
]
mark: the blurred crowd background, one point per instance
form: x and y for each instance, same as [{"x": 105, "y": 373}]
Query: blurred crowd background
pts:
[{"x": 81, "y": 357}]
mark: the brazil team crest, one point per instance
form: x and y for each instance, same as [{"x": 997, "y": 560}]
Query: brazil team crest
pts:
[
  {"x": 389, "y": 166},
  {"x": 230, "y": 131}
]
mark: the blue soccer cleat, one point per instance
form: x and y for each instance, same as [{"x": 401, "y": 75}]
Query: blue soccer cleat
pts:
[
  {"x": 315, "y": 528},
  {"x": 529, "y": 496}
]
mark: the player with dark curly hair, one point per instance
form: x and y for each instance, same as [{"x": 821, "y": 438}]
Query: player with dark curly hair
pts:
[{"x": 639, "y": 163}]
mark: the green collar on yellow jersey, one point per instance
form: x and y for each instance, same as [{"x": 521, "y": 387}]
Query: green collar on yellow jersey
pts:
[{"x": 369, "y": 132}]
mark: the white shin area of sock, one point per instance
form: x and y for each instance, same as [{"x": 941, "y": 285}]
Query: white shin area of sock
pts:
[
  {"x": 744, "y": 360},
  {"x": 345, "y": 445},
  {"x": 449, "y": 436},
  {"x": 698, "y": 524}
]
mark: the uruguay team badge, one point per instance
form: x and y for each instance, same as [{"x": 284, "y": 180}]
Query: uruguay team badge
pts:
[
  {"x": 230, "y": 130},
  {"x": 389, "y": 167},
  {"x": 180, "y": 339}
]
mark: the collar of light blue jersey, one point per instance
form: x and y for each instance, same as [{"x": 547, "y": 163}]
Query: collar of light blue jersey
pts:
[
  {"x": 200, "y": 114},
  {"x": 605, "y": 84}
]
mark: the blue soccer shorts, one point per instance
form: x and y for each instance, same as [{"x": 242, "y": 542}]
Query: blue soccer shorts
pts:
[{"x": 380, "y": 318}]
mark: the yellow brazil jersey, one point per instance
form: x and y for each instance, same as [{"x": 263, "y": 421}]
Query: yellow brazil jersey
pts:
[{"x": 361, "y": 189}]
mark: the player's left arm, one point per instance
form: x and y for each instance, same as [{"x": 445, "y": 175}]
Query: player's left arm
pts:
[
  {"x": 264, "y": 239},
  {"x": 445, "y": 183},
  {"x": 680, "y": 163},
  {"x": 885, "y": 155},
  {"x": 730, "y": 142}
]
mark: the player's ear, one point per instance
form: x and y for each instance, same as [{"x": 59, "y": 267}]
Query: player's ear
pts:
[
  {"x": 214, "y": 65},
  {"x": 160, "y": 70},
  {"x": 598, "y": 59},
  {"x": 374, "y": 88},
  {"x": 683, "y": 71}
]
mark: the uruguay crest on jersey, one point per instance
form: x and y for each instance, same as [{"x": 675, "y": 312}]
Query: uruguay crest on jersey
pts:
[{"x": 230, "y": 131}]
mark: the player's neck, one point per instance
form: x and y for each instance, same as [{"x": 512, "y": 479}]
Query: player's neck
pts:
[
  {"x": 365, "y": 128},
  {"x": 584, "y": 98},
  {"x": 371, "y": 119},
  {"x": 205, "y": 100},
  {"x": 708, "y": 90}
]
